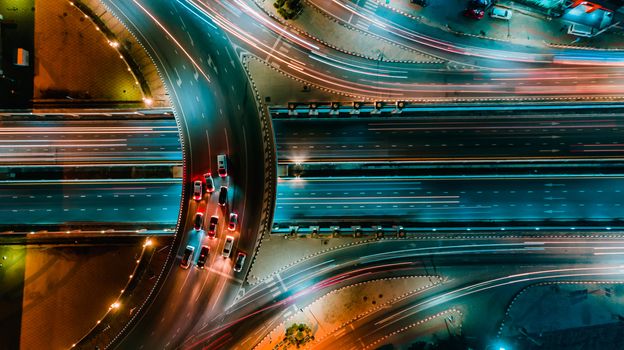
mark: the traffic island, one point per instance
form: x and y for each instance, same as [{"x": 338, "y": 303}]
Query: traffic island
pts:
[
  {"x": 276, "y": 254},
  {"x": 329, "y": 316},
  {"x": 278, "y": 88},
  {"x": 565, "y": 315}
]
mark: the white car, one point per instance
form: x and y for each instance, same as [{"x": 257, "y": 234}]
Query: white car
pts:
[
  {"x": 227, "y": 248},
  {"x": 197, "y": 190},
  {"x": 500, "y": 13},
  {"x": 187, "y": 257},
  {"x": 222, "y": 165}
]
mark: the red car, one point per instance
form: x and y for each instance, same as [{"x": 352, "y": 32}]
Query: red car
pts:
[
  {"x": 474, "y": 13},
  {"x": 212, "y": 226},
  {"x": 199, "y": 221}
]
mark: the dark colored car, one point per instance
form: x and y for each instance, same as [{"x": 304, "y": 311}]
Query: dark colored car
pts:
[
  {"x": 480, "y": 4},
  {"x": 223, "y": 196},
  {"x": 209, "y": 183},
  {"x": 240, "y": 261},
  {"x": 233, "y": 221},
  {"x": 199, "y": 221},
  {"x": 423, "y": 3},
  {"x": 203, "y": 255},
  {"x": 187, "y": 257},
  {"x": 212, "y": 226}
]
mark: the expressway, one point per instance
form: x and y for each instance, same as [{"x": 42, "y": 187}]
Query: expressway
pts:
[
  {"x": 56, "y": 202},
  {"x": 216, "y": 113},
  {"x": 439, "y": 201},
  {"x": 501, "y": 136},
  {"x": 112, "y": 142}
]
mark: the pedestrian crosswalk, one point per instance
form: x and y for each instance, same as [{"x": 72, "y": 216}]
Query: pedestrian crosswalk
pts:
[{"x": 369, "y": 7}]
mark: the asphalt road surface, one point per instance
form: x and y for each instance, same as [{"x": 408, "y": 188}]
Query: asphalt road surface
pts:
[
  {"x": 438, "y": 200},
  {"x": 49, "y": 202},
  {"x": 498, "y": 71},
  {"x": 589, "y": 136},
  {"x": 97, "y": 142},
  {"x": 217, "y": 114}
]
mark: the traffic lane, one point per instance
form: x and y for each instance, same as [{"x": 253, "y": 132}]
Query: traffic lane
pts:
[
  {"x": 363, "y": 77},
  {"x": 449, "y": 253},
  {"x": 450, "y": 199},
  {"x": 213, "y": 103},
  {"x": 454, "y": 261},
  {"x": 70, "y": 142},
  {"x": 345, "y": 73},
  {"x": 456, "y": 268},
  {"x": 381, "y": 21},
  {"x": 98, "y": 201},
  {"x": 579, "y": 136},
  {"x": 191, "y": 293}
]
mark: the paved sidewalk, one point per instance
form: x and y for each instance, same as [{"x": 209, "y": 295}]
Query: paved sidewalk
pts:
[{"x": 527, "y": 26}]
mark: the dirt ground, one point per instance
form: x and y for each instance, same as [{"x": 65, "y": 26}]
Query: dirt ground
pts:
[{"x": 73, "y": 60}]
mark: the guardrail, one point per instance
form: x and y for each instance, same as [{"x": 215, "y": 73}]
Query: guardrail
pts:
[
  {"x": 384, "y": 109},
  {"x": 414, "y": 230}
]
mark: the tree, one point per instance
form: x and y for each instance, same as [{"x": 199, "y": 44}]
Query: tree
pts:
[
  {"x": 298, "y": 334},
  {"x": 289, "y": 9}
]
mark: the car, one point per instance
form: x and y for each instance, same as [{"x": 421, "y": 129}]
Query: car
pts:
[
  {"x": 212, "y": 226},
  {"x": 240, "y": 261},
  {"x": 203, "y": 255},
  {"x": 223, "y": 195},
  {"x": 474, "y": 13},
  {"x": 233, "y": 221},
  {"x": 423, "y": 3},
  {"x": 227, "y": 247},
  {"x": 197, "y": 190},
  {"x": 222, "y": 165},
  {"x": 187, "y": 257},
  {"x": 210, "y": 187},
  {"x": 500, "y": 13},
  {"x": 480, "y": 4},
  {"x": 199, "y": 221}
]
